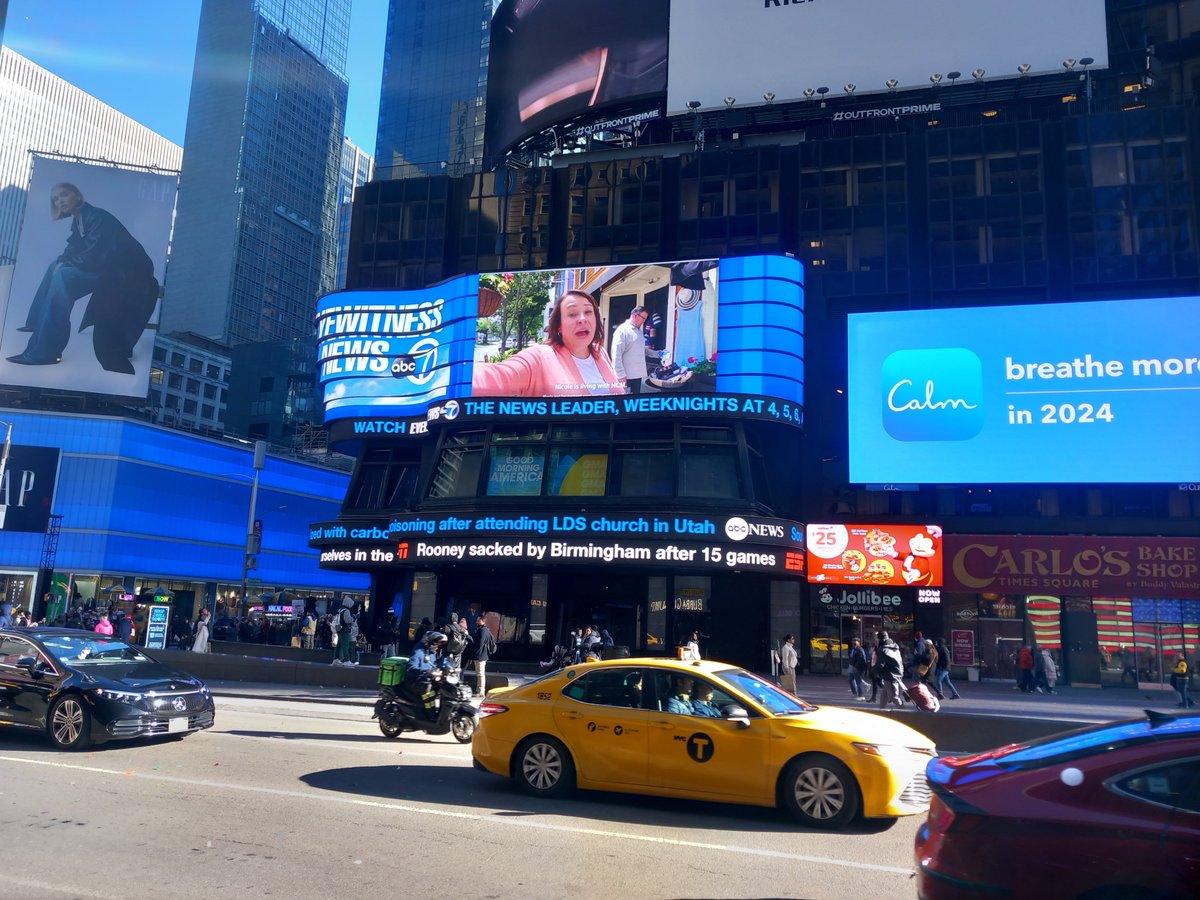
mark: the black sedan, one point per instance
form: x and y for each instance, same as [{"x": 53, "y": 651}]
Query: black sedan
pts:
[{"x": 82, "y": 688}]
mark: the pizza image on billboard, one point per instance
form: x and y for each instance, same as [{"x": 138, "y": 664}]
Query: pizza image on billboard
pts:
[{"x": 880, "y": 555}]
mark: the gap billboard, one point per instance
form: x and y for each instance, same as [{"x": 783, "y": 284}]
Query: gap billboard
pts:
[
  {"x": 716, "y": 337},
  {"x": 1064, "y": 393}
]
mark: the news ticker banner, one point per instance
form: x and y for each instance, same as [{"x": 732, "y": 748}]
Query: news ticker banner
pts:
[
  {"x": 641, "y": 406},
  {"x": 693, "y": 542}
]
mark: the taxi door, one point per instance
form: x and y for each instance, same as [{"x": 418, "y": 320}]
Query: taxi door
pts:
[
  {"x": 703, "y": 756},
  {"x": 600, "y": 718}
]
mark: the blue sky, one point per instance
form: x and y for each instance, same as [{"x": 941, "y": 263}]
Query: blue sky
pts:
[{"x": 136, "y": 55}]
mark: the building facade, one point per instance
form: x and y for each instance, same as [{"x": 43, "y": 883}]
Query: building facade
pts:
[
  {"x": 255, "y": 231},
  {"x": 1069, "y": 188},
  {"x": 92, "y": 502},
  {"x": 431, "y": 106},
  {"x": 189, "y": 383},
  {"x": 42, "y": 113},
  {"x": 357, "y": 168}
]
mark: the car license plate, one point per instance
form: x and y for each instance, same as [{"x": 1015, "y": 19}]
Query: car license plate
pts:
[{"x": 178, "y": 723}]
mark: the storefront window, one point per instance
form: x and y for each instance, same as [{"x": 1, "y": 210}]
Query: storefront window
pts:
[
  {"x": 708, "y": 472},
  {"x": 645, "y": 473},
  {"x": 656, "y": 620},
  {"x": 458, "y": 468}
]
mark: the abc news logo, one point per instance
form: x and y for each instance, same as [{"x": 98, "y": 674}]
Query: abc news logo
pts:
[
  {"x": 738, "y": 529},
  {"x": 404, "y": 366}
]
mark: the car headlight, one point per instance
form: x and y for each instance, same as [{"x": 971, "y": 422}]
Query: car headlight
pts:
[
  {"x": 884, "y": 750},
  {"x": 121, "y": 696}
]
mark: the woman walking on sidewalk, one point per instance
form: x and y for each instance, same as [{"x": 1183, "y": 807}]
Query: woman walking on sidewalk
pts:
[{"x": 1179, "y": 681}]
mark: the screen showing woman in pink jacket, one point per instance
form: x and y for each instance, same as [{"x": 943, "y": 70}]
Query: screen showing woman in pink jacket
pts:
[{"x": 572, "y": 363}]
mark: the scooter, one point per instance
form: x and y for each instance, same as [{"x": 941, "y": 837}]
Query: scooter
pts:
[{"x": 398, "y": 713}]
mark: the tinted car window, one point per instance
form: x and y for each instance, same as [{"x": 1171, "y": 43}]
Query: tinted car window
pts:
[
  {"x": 1176, "y": 785},
  {"x": 608, "y": 687},
  {"x": 13, "y": 649}
]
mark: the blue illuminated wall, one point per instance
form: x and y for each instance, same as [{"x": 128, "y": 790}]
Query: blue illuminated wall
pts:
[{"x": 142, "y": 500}]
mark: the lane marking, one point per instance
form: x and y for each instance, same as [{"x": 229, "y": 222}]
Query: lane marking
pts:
[
  {"x": 342, "y": 745},
  {"x": 490, "y": 819},
  {"x": 7, "y": 878}
]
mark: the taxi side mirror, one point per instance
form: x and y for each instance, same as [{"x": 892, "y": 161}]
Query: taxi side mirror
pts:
[{"x": 737, "y": 714}]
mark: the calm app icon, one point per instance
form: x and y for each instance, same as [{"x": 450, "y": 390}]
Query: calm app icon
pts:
[{"x": 933, "y": 395}]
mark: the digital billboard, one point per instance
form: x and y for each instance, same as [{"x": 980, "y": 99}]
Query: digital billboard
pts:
[
  {"x": 554, "y": 59},
  {"x": 85, "y": 287},
  {"x": 693, "y": 542},
  {"x": 897, "y": 555},
  {"x": 715, "y": 336},
  {"x": 742, "y": 50},
  {"x": 1084, "y": 393}
]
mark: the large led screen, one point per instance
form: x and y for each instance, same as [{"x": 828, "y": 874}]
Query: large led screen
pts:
[
  {"x": 1085, "y": 393},
  {"x": 85, "y": 289},
  {"x": 720, "y": 48},
  {"x": 550, "y": 60},
  {"x": 716, "y": 336}
]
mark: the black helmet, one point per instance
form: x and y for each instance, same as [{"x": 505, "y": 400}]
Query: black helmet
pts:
[{"x": 434, "y": 639}]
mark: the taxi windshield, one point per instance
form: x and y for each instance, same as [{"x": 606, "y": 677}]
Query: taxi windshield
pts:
[{"x": 777, "y": 701}]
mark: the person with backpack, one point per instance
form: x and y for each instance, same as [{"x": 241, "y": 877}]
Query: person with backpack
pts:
[
  {"x": 457, "y": 640},
  {"x": 485, "y": 649},
  {"x": 342, "y": 625},
  {"x": 308, "y": 630},
  {"x": 890, "y": 669}
]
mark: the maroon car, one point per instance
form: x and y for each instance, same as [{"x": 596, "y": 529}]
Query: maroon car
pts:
[{"x": 1109, "y": 811}]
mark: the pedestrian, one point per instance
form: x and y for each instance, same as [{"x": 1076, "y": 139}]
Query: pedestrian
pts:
[
  {"x": 925, "y": 661},
  {"x": 104, "y": 625},
  {"x": 1041, "y": 684},
  {"x": 873, "y": 670},
  {"x": 788, "y": 658},
  {"x": 1180, "y": 681},
  {"x": 485, "y": 648},
  {"x": 1129, "y": 665},
  {"x": 1050, "y": 670},
  {"x": 308, "y": 630},
  {"x": 942, "y": 680},
  {"x": 457, "y": 640},
  {"x": 1025, "y": 669},
  {"x": 691, "y": 650},
  {"x": 122, "y": 626},
  {"x": 385, "y": 635},
  {"x": 577, "y": 645},
  {"x": 342, "y": 625},
  {"x": 200, "y": 641},
  {"x": 856, "y": 669},
  {"x": 891, "y": 671},
  {"x": 6, "y": 618},
  {"x": 591, "y": 643},
  {"x": 422, "y": 628}
]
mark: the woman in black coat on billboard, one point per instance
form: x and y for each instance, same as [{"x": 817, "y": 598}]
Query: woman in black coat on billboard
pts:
[{"x": 102, "y": 259}]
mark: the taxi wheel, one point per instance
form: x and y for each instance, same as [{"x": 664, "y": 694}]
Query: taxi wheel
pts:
[
  {"x": 70, "y": 723},
  {"x": 544, "y": 767},
  {"x": 820, "y": 792}
]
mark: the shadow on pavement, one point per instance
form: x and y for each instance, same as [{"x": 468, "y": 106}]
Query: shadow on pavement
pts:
[
  {"x": 454, "y": 787},
  {"x": 317, "y": 736}
]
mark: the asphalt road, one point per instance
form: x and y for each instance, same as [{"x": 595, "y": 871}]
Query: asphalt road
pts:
[{"x": 293, "y": 799}]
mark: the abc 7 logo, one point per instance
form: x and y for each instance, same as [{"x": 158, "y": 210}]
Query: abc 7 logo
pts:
[{"x": 403, "y": 366}]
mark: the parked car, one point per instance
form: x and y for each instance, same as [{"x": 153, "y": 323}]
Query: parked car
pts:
[
  {"x": 83, "y": 688},
  {"x": 1109, "y": 811},
  {"x": 633, "y": 726}
]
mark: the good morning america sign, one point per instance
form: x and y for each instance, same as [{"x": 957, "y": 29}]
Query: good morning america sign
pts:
[{"x": 1050, "y": 393}]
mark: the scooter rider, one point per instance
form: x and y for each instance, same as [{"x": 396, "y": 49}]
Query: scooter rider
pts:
[{"x": 418, "y": 679}]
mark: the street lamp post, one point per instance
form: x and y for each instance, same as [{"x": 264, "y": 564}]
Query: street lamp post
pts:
[{"x": 251, "y": 548}]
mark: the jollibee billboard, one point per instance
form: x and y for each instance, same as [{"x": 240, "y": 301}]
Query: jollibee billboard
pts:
[
  {"x": 714, "y": 337},
  {"x": 891, "y": 554},
  {"x": 1043, "y": 393}
]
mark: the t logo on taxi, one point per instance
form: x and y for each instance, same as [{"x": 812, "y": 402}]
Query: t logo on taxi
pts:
[{"x": 700, "y": 747}]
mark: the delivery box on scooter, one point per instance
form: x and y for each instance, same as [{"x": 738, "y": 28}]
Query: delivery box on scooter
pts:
[{"x": 391, "y": 670}]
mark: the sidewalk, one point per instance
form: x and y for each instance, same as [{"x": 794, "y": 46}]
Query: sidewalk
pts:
[{"x": 1069, "y": 706}]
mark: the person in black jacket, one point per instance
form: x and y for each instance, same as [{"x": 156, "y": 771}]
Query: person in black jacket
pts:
[
  {"x": 102, "y": 259},
  {"x": 485, "y": 646}
]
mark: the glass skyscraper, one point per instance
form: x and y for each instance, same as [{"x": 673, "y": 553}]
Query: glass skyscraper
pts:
[
  {"x": 358, "y": 167},
  {"x": 255, "y": 235},
  {"x": 434, "y": 88}
]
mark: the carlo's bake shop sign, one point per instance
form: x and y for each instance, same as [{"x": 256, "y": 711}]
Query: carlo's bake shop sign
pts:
[{"x": 875, "y": 554}]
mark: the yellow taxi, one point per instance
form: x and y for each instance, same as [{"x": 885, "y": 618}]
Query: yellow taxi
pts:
[{"x": 703, "y": 730}]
